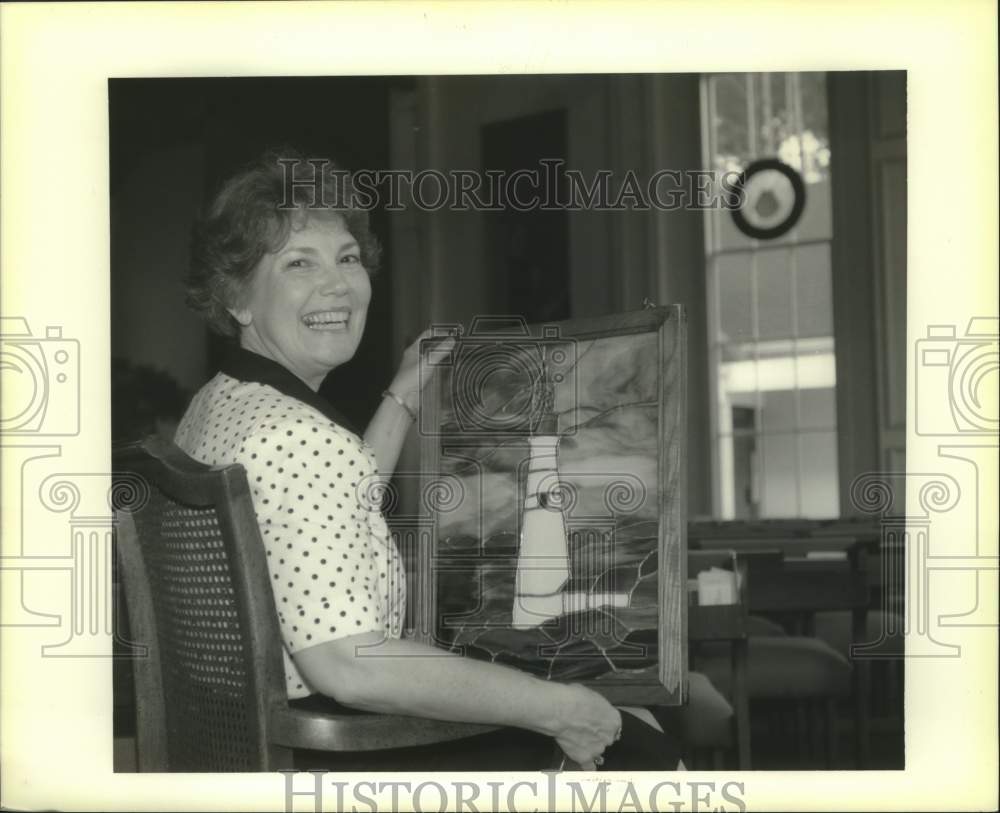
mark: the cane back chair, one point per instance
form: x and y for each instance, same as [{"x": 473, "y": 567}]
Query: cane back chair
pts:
[{"x": 210, "y": 694}]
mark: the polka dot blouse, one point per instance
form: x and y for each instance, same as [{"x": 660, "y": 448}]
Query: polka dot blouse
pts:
[{"x": 334, "y": 568}]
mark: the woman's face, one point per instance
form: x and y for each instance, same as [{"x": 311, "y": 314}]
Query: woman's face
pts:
[{"x": 308, "y": 301}]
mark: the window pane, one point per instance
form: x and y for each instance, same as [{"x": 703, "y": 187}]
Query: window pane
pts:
[
  {"x": 729, "y": 120},
  {"x": 738, "y": 383},
  {"x": 771, "y": 308},
  {"x": 773, "y": 115},
  {"x": 779, "y": 475},
  {"x": 813, "y": 293},
  {"x": 728, "y": 235},
  {"x": 818, "y": 409},
  {"x": 816, "y": 222},
  {"x": 818, "y": 474},
  {"x": 733, "y": 273},
  {"x": 812, "y": 87},
  {"x": 774, "y": 294},
  {"x": 729, "y": 148},
  {"x": 776, "y": 366},
  {"x": 815, "y": 363},
  {"x": 812, "y": 92},
  {"x": 744, "y": 496},
  {"x": 779, "y": 413}
]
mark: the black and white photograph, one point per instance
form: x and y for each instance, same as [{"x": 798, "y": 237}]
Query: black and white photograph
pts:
[
  {"x": 578, "y": 424},
  {"x": 503, "y": 209}
]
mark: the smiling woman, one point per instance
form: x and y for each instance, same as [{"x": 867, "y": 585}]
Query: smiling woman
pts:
[
  {"x": 247, "y": 220},
  {"x": 292, "y": 286},
  {"x": 307, "y": 303}
]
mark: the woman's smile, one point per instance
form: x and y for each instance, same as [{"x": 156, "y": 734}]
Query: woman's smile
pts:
[
  {"x": 308, "y": 300},
  {"x": 330, "y": 321}
]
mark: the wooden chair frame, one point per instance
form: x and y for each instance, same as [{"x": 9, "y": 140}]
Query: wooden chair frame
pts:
[{"x": 277, "y": 728}]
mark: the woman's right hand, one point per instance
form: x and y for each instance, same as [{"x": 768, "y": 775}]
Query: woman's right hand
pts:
[
  {"x": 408, "y": 380},
  {"x": 589, "y": 724}
]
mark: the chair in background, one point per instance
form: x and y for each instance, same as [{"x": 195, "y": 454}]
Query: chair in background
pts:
[
  {"x": 798, "y": 677},
  {"x": 722, "y": 629},
  {"x": 705, "y": 724},
  {"x": 211, "y": 694},
  {"x": 883, "y": 656},
  {"x": 798, "y": 674}
]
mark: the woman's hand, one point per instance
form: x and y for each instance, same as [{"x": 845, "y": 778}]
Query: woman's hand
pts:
[
  {"x": 391, "y": 423},
  {"x": 407, "y": 382},
  {"x": 589, "y": 725}
]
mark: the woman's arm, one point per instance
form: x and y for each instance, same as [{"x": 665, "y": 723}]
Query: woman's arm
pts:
[
  {"x": 386, "y": 432},
  {"x": 391, "y": 423},
  {"x": 395, "y": 676}
]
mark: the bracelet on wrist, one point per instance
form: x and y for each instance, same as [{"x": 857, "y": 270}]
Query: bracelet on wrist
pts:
[{"x": 406, "y": 407}]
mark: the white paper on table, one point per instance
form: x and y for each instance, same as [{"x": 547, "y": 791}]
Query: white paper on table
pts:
[{"x": 717, "y": 587}]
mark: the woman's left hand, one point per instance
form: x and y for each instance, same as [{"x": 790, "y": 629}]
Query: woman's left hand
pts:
[{"x": 410, "y": 378}]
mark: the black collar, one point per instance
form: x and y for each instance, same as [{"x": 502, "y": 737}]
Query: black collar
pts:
[{"x": 245, "y": 365}]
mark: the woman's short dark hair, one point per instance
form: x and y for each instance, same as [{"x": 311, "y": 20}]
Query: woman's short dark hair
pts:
[{"x": 251, "y": 217}]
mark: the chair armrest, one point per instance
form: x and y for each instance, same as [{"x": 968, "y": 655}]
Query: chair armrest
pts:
[{"x": 295, "y": 728}]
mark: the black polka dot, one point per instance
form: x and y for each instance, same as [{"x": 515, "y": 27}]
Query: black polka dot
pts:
[{"x": 230, "y": 421}]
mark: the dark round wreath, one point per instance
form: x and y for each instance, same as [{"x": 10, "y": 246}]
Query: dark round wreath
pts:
[{"x": 798, "y": 205}]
